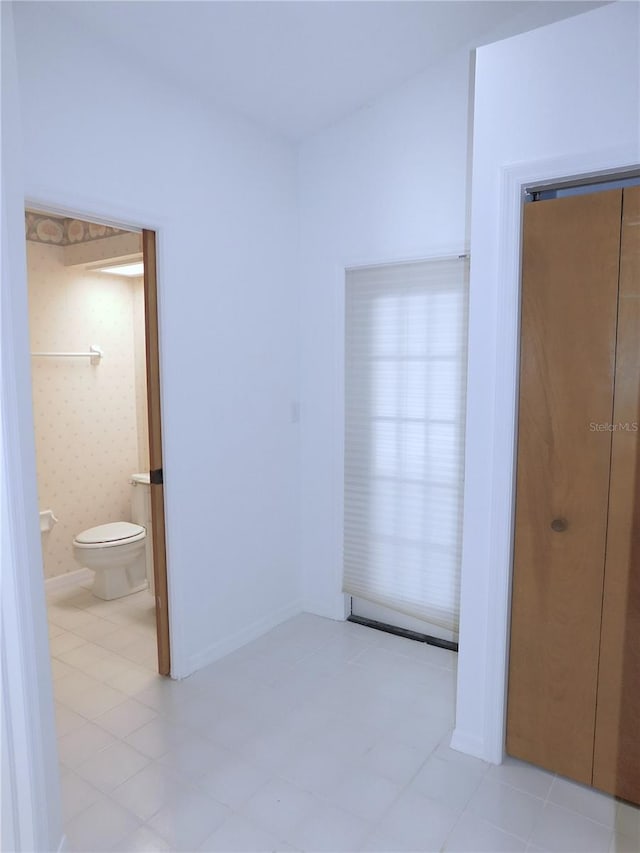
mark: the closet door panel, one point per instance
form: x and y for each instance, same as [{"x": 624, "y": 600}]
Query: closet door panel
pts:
[
  {"x": 617, "y": 745},
  {"x": 569, "y": 307}
]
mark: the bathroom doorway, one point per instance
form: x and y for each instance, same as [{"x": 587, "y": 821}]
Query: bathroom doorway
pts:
[{"x": 96, "y": 399}]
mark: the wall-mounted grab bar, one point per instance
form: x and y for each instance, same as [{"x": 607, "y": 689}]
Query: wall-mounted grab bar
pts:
[{"x": 95, "y": 354}]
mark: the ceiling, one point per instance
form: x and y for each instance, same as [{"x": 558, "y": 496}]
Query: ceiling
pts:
[{"x": 300, "y": 66}]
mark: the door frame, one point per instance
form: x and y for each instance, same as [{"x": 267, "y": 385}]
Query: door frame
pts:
[
  {"x": 151, "y": 235},
  {"x": 489, "y": 506},
  {"x": 156, "y": 471}
]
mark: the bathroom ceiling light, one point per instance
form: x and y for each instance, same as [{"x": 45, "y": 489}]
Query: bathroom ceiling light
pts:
[{"x": 135, "y": 269}]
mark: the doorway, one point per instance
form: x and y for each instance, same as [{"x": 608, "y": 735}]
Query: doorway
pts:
[{"x": 99, "y": 445}]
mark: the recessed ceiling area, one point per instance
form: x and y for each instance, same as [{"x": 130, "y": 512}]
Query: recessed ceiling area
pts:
[
  {"x": 297, "y": 67},
  {"x": 130, "y": 270}
]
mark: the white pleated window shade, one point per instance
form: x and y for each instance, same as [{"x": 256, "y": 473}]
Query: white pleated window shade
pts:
[{"x": 406, "y": 349}]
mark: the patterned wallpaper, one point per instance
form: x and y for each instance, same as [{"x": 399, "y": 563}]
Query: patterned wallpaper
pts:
[
  {"x": 63, "y": 230},
  {"x": 86, "y": 428}
]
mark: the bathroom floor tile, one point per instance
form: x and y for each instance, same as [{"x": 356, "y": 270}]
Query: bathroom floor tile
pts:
[
  {"x": 65, "y": 642},
  {"x": 99, "y": 827},
  {"x": 60, "y": 669},
  {"x": 193, "y": 756},
  {"x": 416, "y": 820},
  {"x": 121, "y": 638},
  {"x": 446, "y": 782},
  {"x": 79, "y": 597},
  {"x": 329, "y": 829},
  {"x": 112, "y": 766},
  {"x": 96, "y": 629},
  {"x": 188, "y": 819},
  {"x": 83, "y": 657},
  {"x": 69, "y": 617},
  {"x": 279, "y": 807},
  {"x": 393, "y": 760},
  {"x": 511, "y": 810},
  {"x": 76, "y": 795},
  {"x": 83, "y": 743},
  {"x": 157, "y": 737},
  {"x": 238, "y": 835},
  {"x": 586, "y": 801},
  {"x": 74, "y": 684},
  {"x": 559, "y": 830},
  {"x": 472, "y": 834},
  {"x": 148, "y": 790},
  {"x": 232, "y": 780},
  {"x": 166, "y": 696},
  {"x": 378, "y": 842},
  {"x": 132, "y": 679},
  {"x": 55, "y": 630},
  {"x": 67, "y": 721},
  {"x": 142, "y": 840},
  {"x": 363, "y": 793},
  {"x": 97, "y": 701},
  {"x": 272, "y": 748},
  {"x": 524, "y": 776},
  {"x": 125, "y": 718},
  {"x": 138, "y": 652}
]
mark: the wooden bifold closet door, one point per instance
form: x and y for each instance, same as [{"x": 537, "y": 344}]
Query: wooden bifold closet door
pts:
[
  {"x": 574, "y": 669},
  {"x": 616, "y": 760}
]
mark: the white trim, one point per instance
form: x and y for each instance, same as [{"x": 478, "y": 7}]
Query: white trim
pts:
[
  {"x": 29, "y": 757},
  {"x": 75, "y": 578},
  {"x": 246, "y": 635},
  {"x": 500, "y": 488},
  {"x": 51, "y": 200},
  {"x": 336, "y": 608},
  {"x": 445, "y": 256},
  {"x": 467, "y": 743},
  {"x": 430, "y": 253},
  {"x": 338, "y": 605}
]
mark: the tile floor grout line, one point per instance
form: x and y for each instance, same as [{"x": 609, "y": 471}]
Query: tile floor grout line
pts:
[{"x": 316, "y": 702}]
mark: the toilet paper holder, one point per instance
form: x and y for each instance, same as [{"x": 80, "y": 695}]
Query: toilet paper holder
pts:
[{"x": 47, "y": 520}]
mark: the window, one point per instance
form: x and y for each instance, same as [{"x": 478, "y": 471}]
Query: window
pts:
[{"x": 406, "y": 329}]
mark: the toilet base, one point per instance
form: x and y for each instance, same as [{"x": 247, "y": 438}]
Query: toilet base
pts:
[
  {"x": 118, "y": 569},
  {"x": 114, "y": 583}
]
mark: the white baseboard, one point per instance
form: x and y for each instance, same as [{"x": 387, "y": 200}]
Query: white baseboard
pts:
[
  {"x": 241, "y": 638},
  {"x": 336, "y": 608},
  {"x": 469, "y": 744},
  {"x": 74, "y": 578}
]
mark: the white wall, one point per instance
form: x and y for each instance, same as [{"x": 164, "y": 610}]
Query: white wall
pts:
[
  {"x": 30, "y": 782},
  {"x": 559, "y": 101},
  {"x": 389, "y": 183},
  {"x": 102, "y": 138}
]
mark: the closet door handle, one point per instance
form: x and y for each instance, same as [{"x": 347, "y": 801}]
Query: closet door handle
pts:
[{"x": 559, "y": 525}]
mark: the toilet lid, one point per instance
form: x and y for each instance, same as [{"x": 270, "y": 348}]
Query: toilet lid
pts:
[{"x": 115, "y": 531}]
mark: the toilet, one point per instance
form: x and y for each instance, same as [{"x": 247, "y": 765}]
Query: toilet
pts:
[{"x": 120, "y": 552}]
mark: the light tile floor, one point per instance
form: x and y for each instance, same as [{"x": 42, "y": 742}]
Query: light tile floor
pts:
[{"x": 320, "y": 736}]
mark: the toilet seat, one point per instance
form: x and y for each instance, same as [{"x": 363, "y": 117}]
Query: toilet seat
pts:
[{"x": 110, "y": 535}]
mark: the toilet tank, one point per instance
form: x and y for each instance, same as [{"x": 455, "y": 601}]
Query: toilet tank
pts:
[
  {"x": 140, "y": 500},
  {"x": 141, "y": 514}
]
